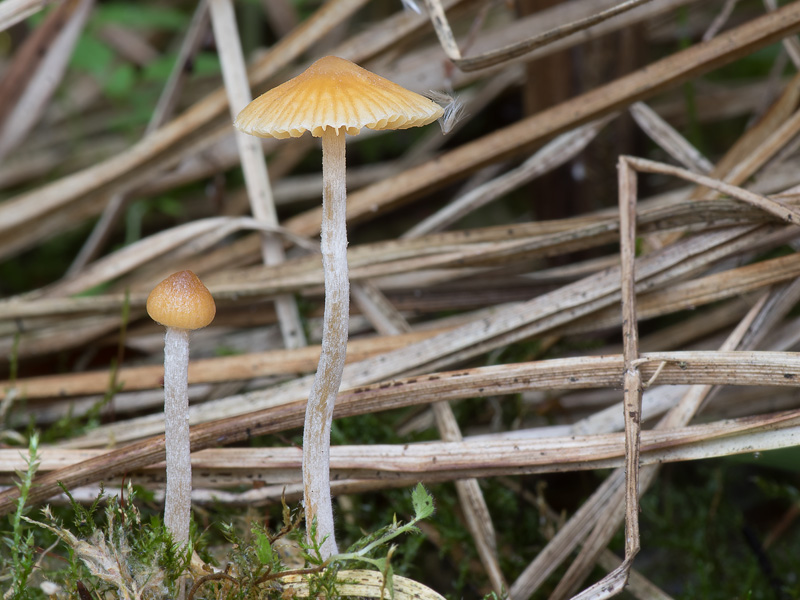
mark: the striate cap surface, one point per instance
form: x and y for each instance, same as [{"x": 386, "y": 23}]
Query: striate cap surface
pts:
[
  {"x": 181, "y": 301},
  {"x": 334, "y": 92}
]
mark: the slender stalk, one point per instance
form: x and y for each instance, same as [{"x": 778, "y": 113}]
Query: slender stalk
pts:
[
  {"x": 178, "y": 498},
  {"x": 319, "y": 412}
]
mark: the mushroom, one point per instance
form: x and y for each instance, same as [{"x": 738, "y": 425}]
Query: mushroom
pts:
[
  {"x": 330, "y": 98},
  {"x": 181, "y": 303}
]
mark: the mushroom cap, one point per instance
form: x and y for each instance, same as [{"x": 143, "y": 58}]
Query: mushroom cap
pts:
[
  {"x": 334, "y": 92},
  {"x": 181, "y": 301}
]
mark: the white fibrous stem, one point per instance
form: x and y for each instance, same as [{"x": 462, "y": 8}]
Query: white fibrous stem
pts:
[
  {"x": 178, "y": 498},
  {"x": 319, "y": 412}
]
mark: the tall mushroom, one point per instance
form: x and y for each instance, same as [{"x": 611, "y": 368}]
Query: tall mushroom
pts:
[
  {"x": 330, "y": 98},
  {"x": 181, "y": 303}
]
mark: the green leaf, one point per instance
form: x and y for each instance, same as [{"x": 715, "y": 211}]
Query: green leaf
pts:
[
  {"x": 388, "y": 574},
  {"x": 206, "y": 63},
  {"x": 422, "y": 502},
  {"x": 263, "y": 547},
  {"x": 135, "y": 15},
  {"x": 92, "y": 55},
  {"x": 158, "y": 70},
  {"x": 388, "y": 580},
  {"x": 119, "y": 82},
  {"x": 379, "y": 563}
]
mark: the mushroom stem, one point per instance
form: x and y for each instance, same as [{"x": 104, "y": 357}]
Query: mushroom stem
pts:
[
  {"x": 319, "y": 412},
  {"x": 178, "y": 499}
]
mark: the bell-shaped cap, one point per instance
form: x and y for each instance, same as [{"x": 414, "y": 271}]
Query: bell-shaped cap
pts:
[
  {"x": 181, "y": 301},
  {"x": 334, "y": 92}
]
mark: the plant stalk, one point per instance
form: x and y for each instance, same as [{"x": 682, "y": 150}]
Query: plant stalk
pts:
[
  {"x": 178, "y": 498},
  {"x": 319, "y": 412}
]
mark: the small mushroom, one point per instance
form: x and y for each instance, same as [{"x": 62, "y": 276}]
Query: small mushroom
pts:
[
  {"x": 330, "y": 98},
  {"x": 181, "y": 303}
]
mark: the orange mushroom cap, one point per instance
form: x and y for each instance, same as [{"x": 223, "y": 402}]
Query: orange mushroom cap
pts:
[
  {"x": 181, "y": 301},
  {"x": 334, "y": 92}
]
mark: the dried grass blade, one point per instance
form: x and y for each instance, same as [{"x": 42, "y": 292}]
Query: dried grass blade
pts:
[
  {"x": 777, "y": 304},
  {"x": 780, "y": 111},
  {"x": 599, "y": 102},
  {"x": 614, "y": 582},
  {"x": 473, "y": 503},
  {"x": 37, "y": 71},
  {"x": 442, "y": 27},
  {"x": 161, "y": 113},
  {"x": 14, "y": 11},
  {"x": 290, "y": 415},
  {"x": 254, "y": 166},
  {"x": 533, "y": 316},
  {"x": 719, "y": 21},
  {"x": 385, "y": 34},
  {"x": 282, "y": 16},
  {"x": 586, "y": 296},
  {"x": 681, "y": 368},
  {"x": 192, "y": 41},
  {"x": 679, "y": 416},
  {"x": 787, "y": 213},
  {"x": 691, "y": 255},
  {"x": 161, "y": 149},
  {"x": 365, "y": 584},
  {"x": 552, "y": 155},
  {"x": 704, "y": 290},
  {"x": 518, "y": 49},
  {"x": 184, "y": 241},
  {"x": 567, "y": 302},
  {"x": 790, "y": 44},
  {"x": 444, "y": 461},
  {"x": 603, "y": 511},
  {"x": 768, "y": 149},
  {"x": 210, "y": 370},
  {"x": 632, "y": 382},
  {"x": 23, "y": 66},
  {"x": 672, "y": 142},
  {"x": 546, "y": 236},
  {"x": 385, "y": 318},
  {"x": 132, "y": 256}
]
